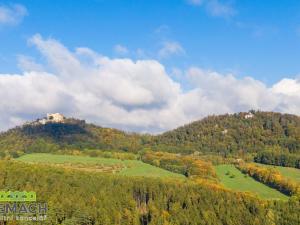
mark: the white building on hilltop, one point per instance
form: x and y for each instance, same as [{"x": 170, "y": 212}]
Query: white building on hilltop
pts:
[
  {"x": 55, "y": 117},
  {"x": 50, "y": 118},
  {"x": 249, "y": 115}
]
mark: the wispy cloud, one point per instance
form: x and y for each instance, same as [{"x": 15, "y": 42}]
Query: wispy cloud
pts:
[
  {"x": 120, "y": 49},
  {"x": 27, "y": 63},
  {"x": 162, "y": 30},
  {"x": 258, "y": 30},
  {"x": 215, "y": 8},
  {"x": 170, "y": 48},
  {"x": 12, "y": 15}
]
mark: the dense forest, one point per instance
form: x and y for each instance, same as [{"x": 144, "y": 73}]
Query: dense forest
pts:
[
  {"x": 238, "y": 135},
  {"x": 278, "y": 158},
  {"x": 93, "y": 198},
  {"x": 71, "y": 135}
]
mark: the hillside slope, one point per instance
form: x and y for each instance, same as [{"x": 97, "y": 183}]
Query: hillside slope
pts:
[
  {"x": 234, "y": 134},
  {"x": 76, "y": 197},
  {"x": 237, "y": 133},
  {"x": 71, "y": 135}
]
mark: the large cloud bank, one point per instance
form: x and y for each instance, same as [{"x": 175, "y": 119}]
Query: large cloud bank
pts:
[{"x": 131, "y": 95}]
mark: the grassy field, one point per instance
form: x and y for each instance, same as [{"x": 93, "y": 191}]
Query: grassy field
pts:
[
  {"x": 123, "y": 167},
  {"x": 233, "y": 179},
  {"x": 288, "y": 172}
]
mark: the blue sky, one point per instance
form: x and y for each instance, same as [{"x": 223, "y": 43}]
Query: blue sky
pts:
[
  {"x": 147, "y": 65},
  {"x": 259, "y": 39}
]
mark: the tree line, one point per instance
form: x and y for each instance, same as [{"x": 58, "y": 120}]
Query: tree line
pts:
[
  {"x": 278, "y": 158},
  {"x": 188, "y": 165},
  {"x": 270, "y": 177}
]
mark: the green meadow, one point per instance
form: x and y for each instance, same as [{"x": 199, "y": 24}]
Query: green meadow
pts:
[
  {"x": 128, "y": 167},
  {"x": 233, "y": 179}
]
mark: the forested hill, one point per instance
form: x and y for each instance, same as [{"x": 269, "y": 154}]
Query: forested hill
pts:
[
  {"x": 71, "y": 135},
  {"x": 227, "y": 134},
  {"x": 237, "y": 133}
]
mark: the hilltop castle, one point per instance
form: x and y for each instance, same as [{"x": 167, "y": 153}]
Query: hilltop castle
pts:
[{"x": 50, "y": 118}]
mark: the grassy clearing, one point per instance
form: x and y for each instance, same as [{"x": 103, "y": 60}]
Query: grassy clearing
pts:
[
  {"x": 233, "y": 179},
  {"x": 288, "y": 172},
  {"x": 123, "y": 167}
]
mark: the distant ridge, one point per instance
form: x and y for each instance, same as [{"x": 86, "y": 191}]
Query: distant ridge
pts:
[
  {"x": 245, "y": 132},
  {"x": 234, "y": 134}
]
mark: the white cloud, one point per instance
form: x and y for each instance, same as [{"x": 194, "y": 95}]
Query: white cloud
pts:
[
  {"x": 133, "y": 95},
  {"x": 170, "y": 48},
  {"x": 289, "y": 87},
  {"x": 215, "y": 7},
  {"x": 27, "y": 63},
  {"x": 12, "y": 15},
  {"x": 120, "y": 49},
  {"x": 288, "y": 94},
  {"x": 230, "y": 93}
]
